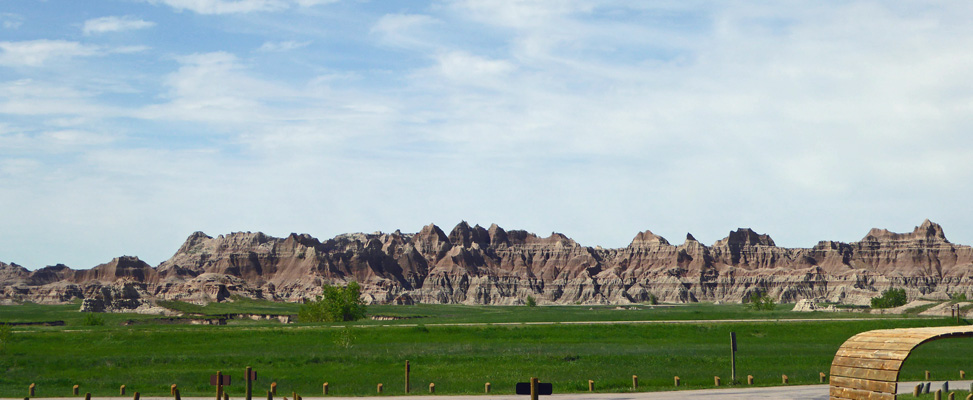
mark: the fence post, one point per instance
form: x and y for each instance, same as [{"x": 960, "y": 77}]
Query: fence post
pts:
[
  {"x": 676, "y": 379},
  {"x": 783, "y": 379},
  {"x": 716, "y": 380},
  {"x": 172, "y": 389},
  {"x": 938, "y": 395},
  {"x": 533, "y": 388},
  {"x": 324, "y": 388},
  {"x": 486, "y": 387},
  {"x": 74, "y": 390},
  {"x": 87, "y": 396},
  {"x": 635, "y": 382},
  {"x": 407, "y": 376},
  {"x": 962, "y": 374},
  {"x": 273, "y": 388},
  {"x": 270, "y": 396},
  {"x": 822, "y": 375},
  {"x": 380, "y": 388},
  {"x": 136, "y": 396},
  {"x": 917, "y": 390},
  {"x": 249, "y": 383},
  {"x": 750, "y": 379},
  {"x": 432, "y": 388},
  {"x": 927, "y": 375},
  {"x": 121, "y": 390},
  {"x": 30, "y": 390},
  {"x": 178, "y": 397},
  {"x": 591, "y": 385}
]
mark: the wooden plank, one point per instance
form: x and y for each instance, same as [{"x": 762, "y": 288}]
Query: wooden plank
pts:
[
  {"x": 860, "y": 394},
  {"x": 872, "y": 354},
  {"x": 865, "y": 373},
  {"x": 864, "y": 384},
  {"x": 878, "y": 346},
  {"x": 873, "y": 363}
]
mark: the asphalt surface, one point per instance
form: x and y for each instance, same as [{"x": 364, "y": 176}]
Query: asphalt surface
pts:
[{"x": 795, "y": 392}]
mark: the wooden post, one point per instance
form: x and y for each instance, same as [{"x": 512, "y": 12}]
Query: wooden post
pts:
[
  {"x": 938, "y": 395},
  {"x": 273, "y": 388},
  {"x": 486, "y": 387},
  {"x": 951, "y": 396},
  {"x": 121, "y": 390},
  {"x": 270, "y": 396},
  {"x": 591, "y": 385},
  {"x": 927, "y": 376},
  {"x": 962, "y": 374},
  {"x": 74, "y": 390},
  {"x": 917, "y": 390},
  {"x": 969, "y": 396},
  {"x": 406, "y": 376},
  {"x": 87, "y": 396},
  {"x": 324, "y": 388},
  {"x": 750, "y": 379},
  {"x": 379, "y": 388},
  {"x": 783, "y": 379},
  {"x": 249, "y": 383},
  {"x": 635, "y": 382},
  {"x": 30, "y": 390},
  {"x": 178, "y": 397},
  {"x": 136, "y": 396},
  {"x": 533, "y": 388},
  {"x": 432, "y": 388},
  {"x": 716, "y": 380},
  {"x": 676, "y": 379},
  {"x": 293, "y": 395},
  {"x": 172, "y": 389},
  {"x": 219, "y": 385},
  {"x": 822, "y": 375}
]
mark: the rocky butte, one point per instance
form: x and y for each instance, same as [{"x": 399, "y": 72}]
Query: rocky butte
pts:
[{"x": 476, "y": 265}]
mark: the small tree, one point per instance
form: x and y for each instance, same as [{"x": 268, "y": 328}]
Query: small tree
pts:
[
  {"x": 890, "y": 298},
  {"x": 531, "y": 301},
  {"x": 335, "y": 304},
  {"x": 761, "y": 301}
]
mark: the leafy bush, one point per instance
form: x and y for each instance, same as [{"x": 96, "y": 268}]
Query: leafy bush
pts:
[
  {"x": 957, "y": 296},
  {"x": 761, "y": 301},
  {"x": 336, "y": 304},
  {"x": 531, "y": 301},
  {"x": 91, "y": 319},
  {"x": 653, "y": 300},
  {"x": 890, "y": 298}
]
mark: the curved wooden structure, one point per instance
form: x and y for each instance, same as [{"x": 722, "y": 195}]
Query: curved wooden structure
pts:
[{"x": 867, "y": 365}]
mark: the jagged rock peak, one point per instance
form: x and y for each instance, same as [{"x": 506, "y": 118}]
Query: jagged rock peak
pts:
[
  {"x": 746, "y": 237},
  {"x": 431, "y": 233},
  {"x": 497, "y": 235},
  {"x": 464, "y": 235},
  {"x": 927, "y": 231},
  {"x": 648, "y": 238},
  {"x": 193, "y": 240},
  {"x": 690, "y": 237}
]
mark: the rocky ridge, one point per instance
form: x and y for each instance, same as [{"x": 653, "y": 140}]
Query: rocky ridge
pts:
[{"x": 477, "y": 265}]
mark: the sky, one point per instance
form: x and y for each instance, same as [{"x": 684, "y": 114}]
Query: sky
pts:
[{"x": 126, "y": 125}]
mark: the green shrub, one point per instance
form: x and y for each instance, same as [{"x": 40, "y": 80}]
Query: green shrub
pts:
[
  {"x": 890, "y": 298},
  {"x": 336, "y": 304},
  {"x": 761, "y": 301},
  {"x": 531, "y": 301},
  {"x": 91, "y": 319}
]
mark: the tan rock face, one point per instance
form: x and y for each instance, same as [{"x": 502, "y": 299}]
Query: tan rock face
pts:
[{"x": 476, "y": 265}]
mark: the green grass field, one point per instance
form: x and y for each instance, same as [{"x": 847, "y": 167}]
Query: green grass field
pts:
[{"x": 458, "y": 359}]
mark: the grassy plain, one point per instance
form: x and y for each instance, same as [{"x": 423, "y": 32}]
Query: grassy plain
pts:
[{"x": 354, "y": 357}]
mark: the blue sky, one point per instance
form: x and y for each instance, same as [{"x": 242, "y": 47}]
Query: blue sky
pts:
[{"x": 126, "y": 125}]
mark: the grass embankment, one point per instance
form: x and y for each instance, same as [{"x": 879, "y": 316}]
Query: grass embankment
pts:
[{"x": 459, "y": 359}]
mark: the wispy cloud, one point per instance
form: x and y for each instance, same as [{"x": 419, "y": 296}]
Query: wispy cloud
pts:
[
  {"x": 33, "y": 53},
  {"x": 114, "y": 24},
  {"x": 282, "y": 46},
  {"x": 237, "y": 6},
  {"x": 11, "y": 20}
]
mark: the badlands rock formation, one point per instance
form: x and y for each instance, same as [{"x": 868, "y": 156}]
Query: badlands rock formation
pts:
[{"x": 476, "y": 265}]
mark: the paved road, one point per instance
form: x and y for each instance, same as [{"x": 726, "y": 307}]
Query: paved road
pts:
[{"x": 796, "y": 392}]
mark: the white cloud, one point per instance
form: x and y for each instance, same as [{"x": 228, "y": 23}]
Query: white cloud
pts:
[
  {"x": 237, "y": 6},
  {"x": 282, "y": 46},
  {"x": 11, "y": 20},
  {"x": 34, "y": 53},
  {"x": 114, "y": 24}
]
